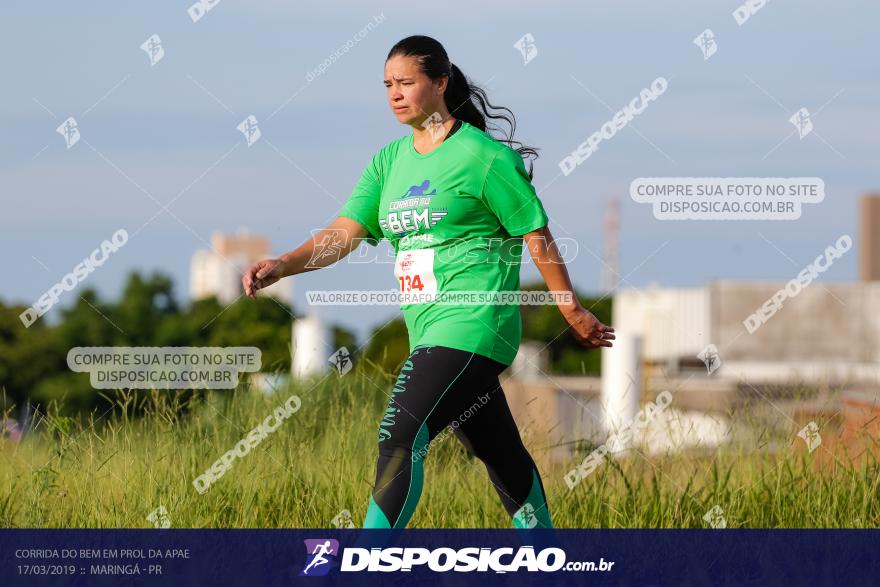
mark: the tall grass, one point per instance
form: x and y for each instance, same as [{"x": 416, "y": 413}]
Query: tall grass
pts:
[{"x": 113, "y": 471}]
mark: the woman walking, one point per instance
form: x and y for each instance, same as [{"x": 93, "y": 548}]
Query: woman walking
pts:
[{"x": 458, "y": 207}]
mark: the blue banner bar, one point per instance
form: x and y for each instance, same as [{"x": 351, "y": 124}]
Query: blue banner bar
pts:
[{"x": 428, "y": 557}]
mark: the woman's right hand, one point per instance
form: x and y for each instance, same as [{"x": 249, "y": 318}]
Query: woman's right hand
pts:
[{"x": 260, "y": 275}]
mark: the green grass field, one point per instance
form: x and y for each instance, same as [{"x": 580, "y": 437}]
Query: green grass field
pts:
[{"x": 113, "y": 471}]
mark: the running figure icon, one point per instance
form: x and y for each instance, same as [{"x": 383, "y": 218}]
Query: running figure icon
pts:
[{"x": 320, "y": 550}]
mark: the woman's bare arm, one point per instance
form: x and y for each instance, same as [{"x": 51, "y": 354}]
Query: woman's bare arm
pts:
[
  {"x": 586, "y": 327},
  {"x": 325, "y": 247},
  {"x": 322, "y": 249}
]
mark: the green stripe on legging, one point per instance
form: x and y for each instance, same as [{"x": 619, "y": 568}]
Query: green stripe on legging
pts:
[
  {"x": 417, "y": 476},
  {"x": 375, "y": 516},
  {"x": 534, "y": 512}
]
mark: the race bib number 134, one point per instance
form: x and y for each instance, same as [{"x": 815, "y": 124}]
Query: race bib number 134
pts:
[{"x": 414, "y": 271}]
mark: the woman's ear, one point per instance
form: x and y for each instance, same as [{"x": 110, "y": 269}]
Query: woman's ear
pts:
[{"x": 442, "y": 83}]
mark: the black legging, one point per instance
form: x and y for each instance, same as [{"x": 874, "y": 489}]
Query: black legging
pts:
[{"x": 440, "y": 386}]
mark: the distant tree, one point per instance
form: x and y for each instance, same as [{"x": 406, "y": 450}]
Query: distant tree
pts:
[
  {"x": 33, "y": 361},
  {"x": 89, "y": 322},
  {"x": 190, "y": 328},
  {"x": 142, "y": 307},
  {"x": 388, "y": 347},
  {"x": 27, "y": 355},
  {"x": 264, "y": 323},
  {"x": 344, "y": 338}
]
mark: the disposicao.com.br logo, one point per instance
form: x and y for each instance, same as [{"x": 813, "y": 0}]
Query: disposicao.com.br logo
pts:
[{"x": 322, "y": 555}]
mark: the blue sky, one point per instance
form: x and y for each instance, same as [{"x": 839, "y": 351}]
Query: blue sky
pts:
[{"x": 154, "y": 131}]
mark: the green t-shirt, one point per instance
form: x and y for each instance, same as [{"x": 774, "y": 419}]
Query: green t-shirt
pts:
[{"x": 455, "y": 217}]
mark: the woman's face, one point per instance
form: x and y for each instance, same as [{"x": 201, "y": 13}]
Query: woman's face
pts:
[{"x": 412, "y": 95}]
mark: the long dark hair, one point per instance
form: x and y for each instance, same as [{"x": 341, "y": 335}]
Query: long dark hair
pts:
[{"x": 464, "y": 100}]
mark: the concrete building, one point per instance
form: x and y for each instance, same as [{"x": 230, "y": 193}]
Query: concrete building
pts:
[
  {"x": 804, "y": 349},
  {"x": 828, "y": 332}
]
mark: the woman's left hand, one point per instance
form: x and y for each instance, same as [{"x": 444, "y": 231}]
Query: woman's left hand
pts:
[{"x": 587, "y": 329}]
